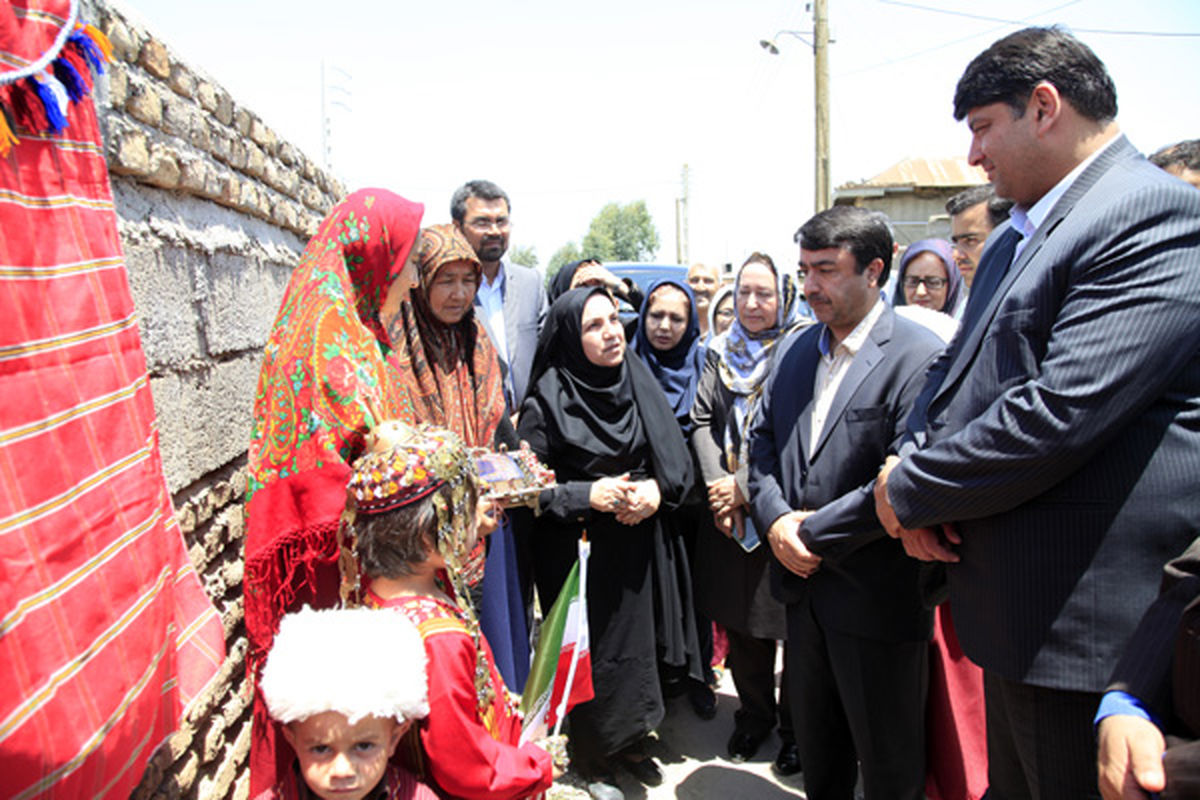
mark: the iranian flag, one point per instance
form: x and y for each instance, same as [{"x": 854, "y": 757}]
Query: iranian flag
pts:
[{"x": 561, "y": 674}]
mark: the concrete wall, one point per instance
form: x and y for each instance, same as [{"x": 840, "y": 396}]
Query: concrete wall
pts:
[{"x": 214, "y": 210}]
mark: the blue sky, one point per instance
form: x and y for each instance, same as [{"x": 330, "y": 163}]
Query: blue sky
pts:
[{"x": 571, "y": 105}]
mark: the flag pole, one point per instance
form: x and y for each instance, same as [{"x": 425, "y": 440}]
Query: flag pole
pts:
[{"x": 561, "y": 712}]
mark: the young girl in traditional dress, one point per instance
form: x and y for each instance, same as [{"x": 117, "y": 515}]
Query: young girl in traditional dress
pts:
[{"x": 413, "y": 500}]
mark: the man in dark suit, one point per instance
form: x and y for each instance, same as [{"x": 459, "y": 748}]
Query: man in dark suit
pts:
[
  {"x": 1061, "y": 432},
  {"x": 511, "y": 299},
  {"x": 834, "y": 404},
  {"x": 1155, "y": 689}
]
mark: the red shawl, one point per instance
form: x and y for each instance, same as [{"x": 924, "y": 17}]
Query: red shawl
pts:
[{"x": 325, "y": 381}]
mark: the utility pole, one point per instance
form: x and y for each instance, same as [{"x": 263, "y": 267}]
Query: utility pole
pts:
[
  {"x": 821, "y": 178},
  {"x": 681, "y": 222}
]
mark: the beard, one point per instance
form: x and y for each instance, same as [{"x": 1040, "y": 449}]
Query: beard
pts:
[{"x": 492, "y": 249}]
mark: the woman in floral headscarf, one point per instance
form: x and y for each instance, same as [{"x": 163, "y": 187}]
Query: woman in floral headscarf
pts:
[
  {"x": 451, "y": 370},
  {"x": 326, "y": 378},
  {"x": 731, "y": 575}
]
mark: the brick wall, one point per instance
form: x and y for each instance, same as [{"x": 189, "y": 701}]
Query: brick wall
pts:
[{"x": 214, "y": 210}]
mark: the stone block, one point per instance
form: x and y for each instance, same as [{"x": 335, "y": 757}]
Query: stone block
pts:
[
  {"x": 164, "y": 167},
  {"x": 263, "y": 136},
  {"x": 214, "y": 184},
  {"x": 288, "y": 154},
  {"x": 118, "y": 85},
  {"x": 144, "y": 104},
  {"x": 182, "y": 81},
  {"x": 176, "y": 116},
  {"x": 124, "y": 42},
  {"x": 238, "y": 154},
  {"x": 205, "y": 417},
  {"x": 206, "y": 95},
  {"x": 161, "y": 280},
  {"x": 242, "y": 121},
  {"x": 240, "y": 298},
  {"x": 220, "y": 142},
  {"x": 284, "y": 214},
  {"x": 231, "y": 189},
  {"x": 222, "y": 493},
  {"x": 185, "y": 515},
  {"x": 198, "y": 132},
  {"x": 214, "y": 740},
  {"x": 130, "y": 154},
  {"x": 185, "y": 773},
  {"x": 224, "y": 108},
  {"x": 256, "y": 160},
  {"x": 194, "y": 175},
  {"x": 155, "y": 59},
  {"x": 248, "y": 199}
]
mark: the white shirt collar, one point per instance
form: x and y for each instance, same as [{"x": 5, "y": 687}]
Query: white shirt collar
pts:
[{"x": 854, "y": 340}]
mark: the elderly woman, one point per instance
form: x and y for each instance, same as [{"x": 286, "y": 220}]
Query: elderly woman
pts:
[
  {"x": 325, "y": 380},
  {"x": 452, "y": 372},
  {"x": 601, "y": 422},
  {"x": 720, "y": 312},
  {"x": 732, "y": 578}
]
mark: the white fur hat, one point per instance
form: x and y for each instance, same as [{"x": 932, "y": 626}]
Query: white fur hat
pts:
[{"x": 359, "y": 661}]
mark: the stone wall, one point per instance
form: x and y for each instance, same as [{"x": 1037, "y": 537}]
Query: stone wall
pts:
[{"x": 214, "y": 209}]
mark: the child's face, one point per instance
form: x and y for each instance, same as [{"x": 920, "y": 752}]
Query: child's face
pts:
[{"x": 340, "y": 761}]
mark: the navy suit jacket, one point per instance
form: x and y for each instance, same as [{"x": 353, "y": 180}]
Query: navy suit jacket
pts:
[
  {"x": 866, "y": 585},
  {"x": 524, "y": 311},
  {"x": 1062, "y": 431}
]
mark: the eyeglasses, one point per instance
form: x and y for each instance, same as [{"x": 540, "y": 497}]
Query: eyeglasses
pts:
[
  {"x": 485, "y": 224},
  {"x": 724, "y": 313},
  {"x": 931, "y": 284}
]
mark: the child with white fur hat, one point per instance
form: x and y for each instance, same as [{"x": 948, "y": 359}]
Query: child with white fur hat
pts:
[{"x": 346, "y": 684}]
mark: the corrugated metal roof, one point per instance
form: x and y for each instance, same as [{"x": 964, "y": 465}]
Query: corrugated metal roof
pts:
[{"x": 931, "y": 172}]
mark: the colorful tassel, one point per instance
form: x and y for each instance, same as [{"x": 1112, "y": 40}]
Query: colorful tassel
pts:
[
  {"x": 76, "y": 59},
  {"x": 7, "y": 138},
  {"x": 54, "y": 111},
  {"x": 69, "y": 77},
  {"x": 97, "y": 38}
]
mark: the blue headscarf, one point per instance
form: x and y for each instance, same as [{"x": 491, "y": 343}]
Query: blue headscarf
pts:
[{"x": 677, "y": 370}]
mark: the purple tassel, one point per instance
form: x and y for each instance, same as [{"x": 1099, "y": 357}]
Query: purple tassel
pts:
[
  {"x": 69, "y": 77},
  {"x": 89, "y": 49},
  {"x": 54, "y": 114}
]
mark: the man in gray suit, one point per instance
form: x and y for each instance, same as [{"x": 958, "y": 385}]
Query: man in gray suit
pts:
[
  {"x": 1055, "y": 446},
  {"x": 511, "y": 299},
  {"x": 833, "y": 406}
]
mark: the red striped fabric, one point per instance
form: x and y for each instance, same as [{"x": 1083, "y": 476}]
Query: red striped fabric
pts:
[{"x": 106, "y": 635}]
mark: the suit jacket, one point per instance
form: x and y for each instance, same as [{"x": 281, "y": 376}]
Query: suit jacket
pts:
[
  {"x": 1161, "y": 665},
  {"x": 866, "y": 585},
  {"x": 1063, "y": 429},
  {"x": 524, "y": 311}
]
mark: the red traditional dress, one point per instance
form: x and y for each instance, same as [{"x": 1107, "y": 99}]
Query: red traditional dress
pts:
[
  {"x": 468, "y": 743},
  {"x": 106, "y": 635},
  {"x": 325, "y": 380}
]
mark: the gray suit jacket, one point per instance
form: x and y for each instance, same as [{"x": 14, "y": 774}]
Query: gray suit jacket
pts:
[
  {"x": 524, "y": 310},
  {"x": 866, "y": 585},
  {"x": 1063, "y": 429}
]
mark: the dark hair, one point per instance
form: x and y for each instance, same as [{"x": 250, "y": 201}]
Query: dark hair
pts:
[
  {"x": 760, "y": 258},
  {"x": 483, "y": 190},
  {"x": 1185, "y": 154},
  {"x": 391, "y": 543},
  {"x": 865, "y": 233},
  {"x": 998, "y": 208},
  {"x": 1008, "y": 71}
]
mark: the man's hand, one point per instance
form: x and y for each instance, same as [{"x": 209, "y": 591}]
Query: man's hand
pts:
[
  {"x": 784, "y": 537},
  {"x": 1129, "y": 758},
  {"x": 925, "y": 544}
]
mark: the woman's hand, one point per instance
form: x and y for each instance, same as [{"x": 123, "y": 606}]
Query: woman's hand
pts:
[
  {"x": 642, "y": 500},
  {"x": 608, "y": 494},
  {"x": 724, "y": 495},
  {"x": 488, "y": 514}
]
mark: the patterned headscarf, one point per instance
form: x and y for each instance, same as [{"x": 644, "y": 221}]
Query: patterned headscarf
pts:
[
  {"x": 745, "y": 356},
  {"x": 324, "y": 382},
  {"x": 451, "y": 371}
]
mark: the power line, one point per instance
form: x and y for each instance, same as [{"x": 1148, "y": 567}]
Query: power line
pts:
[{"x": 1102, "y": 31}]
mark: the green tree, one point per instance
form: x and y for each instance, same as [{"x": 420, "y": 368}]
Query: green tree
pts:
[
  {"x": 562, "y": 256},
  {"x": 525, "y": 255},
  {"x": 622, "y": 233}
]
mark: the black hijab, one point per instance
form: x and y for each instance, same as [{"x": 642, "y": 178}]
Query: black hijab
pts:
[
  {"x": 599, "y": 421},
  {"x": 677, "y": 370},
  {"x": 560, "y": 284}
]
